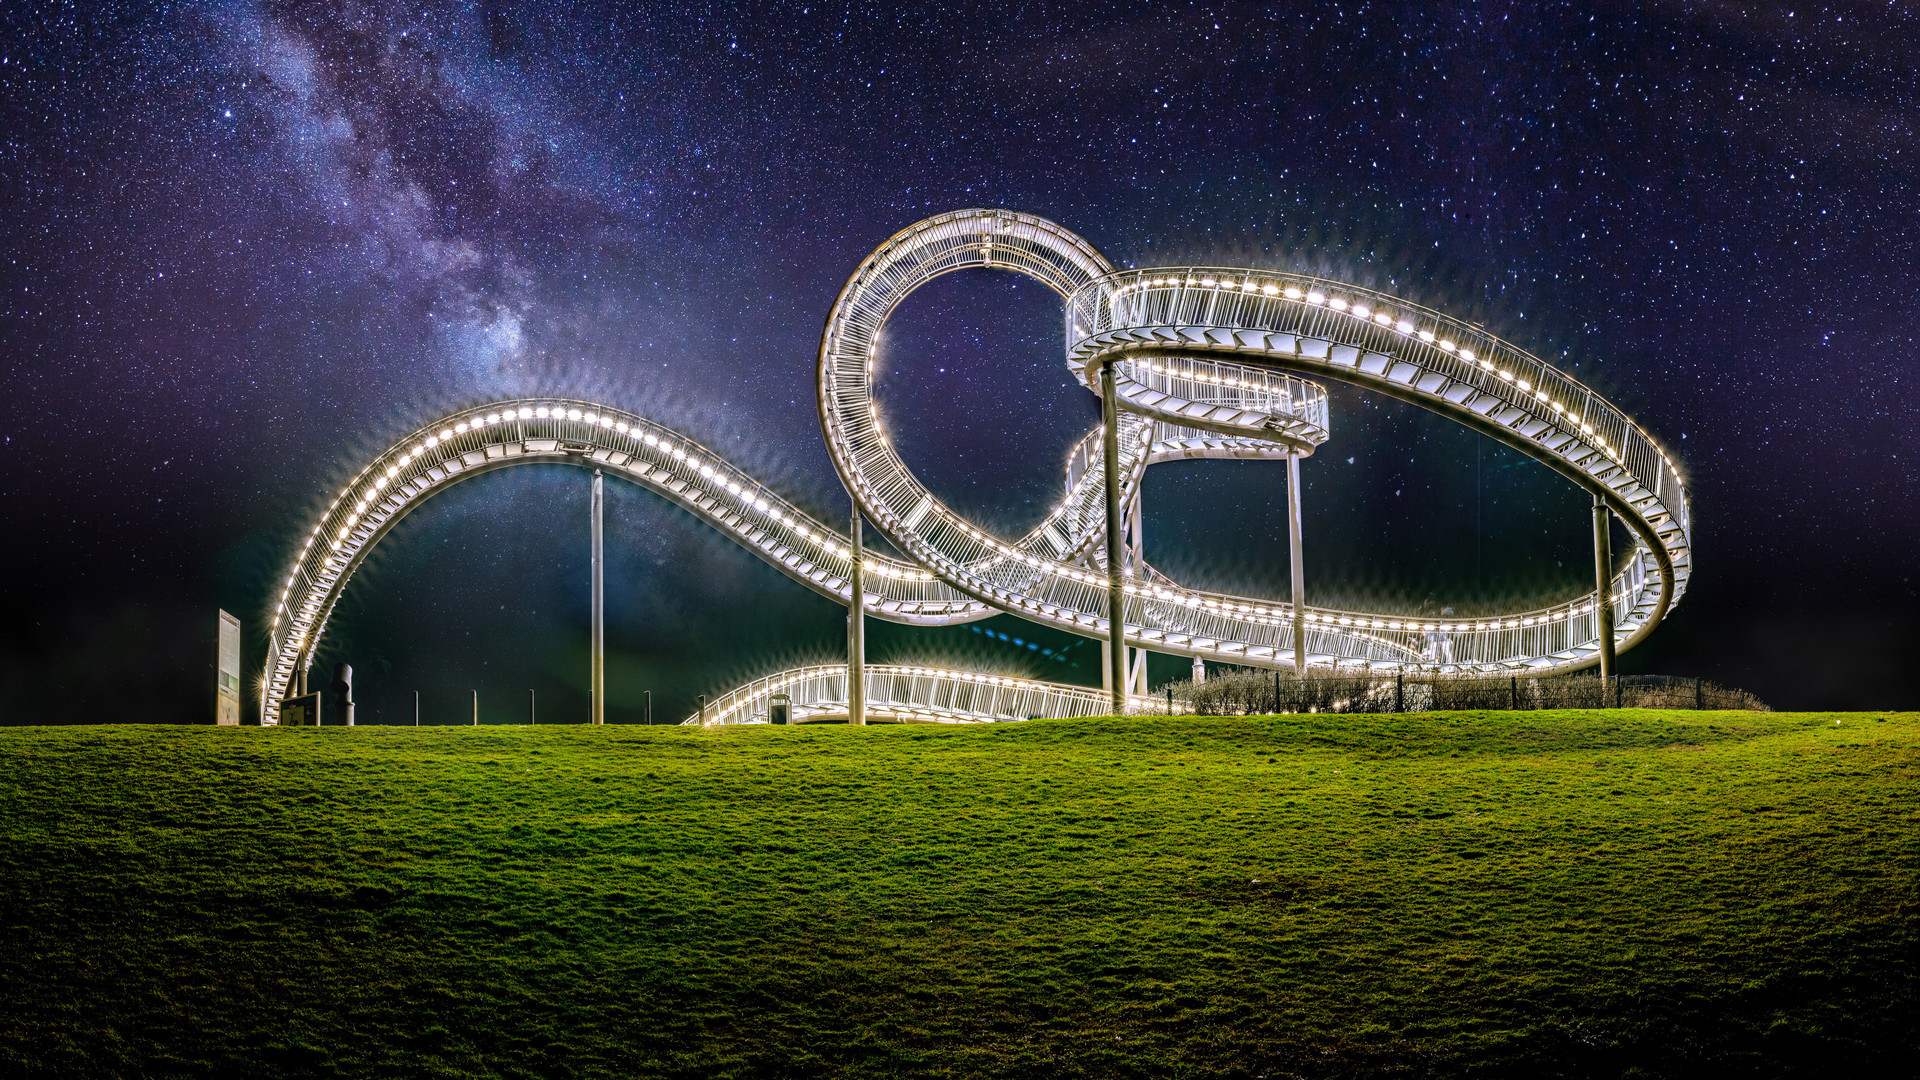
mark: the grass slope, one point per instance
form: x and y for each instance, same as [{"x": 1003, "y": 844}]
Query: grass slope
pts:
[{"x": 1530, "y": 894}]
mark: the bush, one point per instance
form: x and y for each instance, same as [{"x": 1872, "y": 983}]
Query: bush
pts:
[{"x": 1245, "y": 692}]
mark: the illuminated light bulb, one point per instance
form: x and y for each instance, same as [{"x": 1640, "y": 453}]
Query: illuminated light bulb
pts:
[
  {"x": 1337, "y": 304},
  {"x": 1208, "y": 282},
  {"x": 1505, "y": 374},
  {"x": 1362, "y": 310},
  {"x": 493, "y": 418},
  {"x": 1467, "y": 355},
  {"x": 1292, "y": 293},
  {"x": 1383, "y": 318},
  {"x": 541, "y": 412},
  {"x": 1524, "y": 384},
  {"x": 1316, "y": 298},
  {"x": 1425, "y": 335},
  {"x": 1446, "y": 345},
  {"x": 1270, "y": 290},
  {"x": 446, "y": 434},
  {"x": 460, "y": 428}
]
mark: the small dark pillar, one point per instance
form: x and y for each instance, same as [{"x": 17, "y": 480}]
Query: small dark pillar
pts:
[{"x": 342, "y": 688}]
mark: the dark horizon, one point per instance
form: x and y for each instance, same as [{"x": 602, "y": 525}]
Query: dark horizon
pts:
[{"x": 250, "y": 245}]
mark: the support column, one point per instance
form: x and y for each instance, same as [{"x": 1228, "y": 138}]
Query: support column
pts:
[
  {"x": 599, "y": 672},
  {"x": 857, "y": 628},
  {"x": 1298, "y": 566},
  {"x": 1116, "y": 590},
  {"x": 1603, "y": 586},
  {"x": 1137, "y": 563}
]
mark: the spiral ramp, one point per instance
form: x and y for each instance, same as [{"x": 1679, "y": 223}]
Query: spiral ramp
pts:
[{"x": 1208, "y": 363}]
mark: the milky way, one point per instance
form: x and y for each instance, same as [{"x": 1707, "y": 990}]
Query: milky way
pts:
[{"x": 248, "y": 245}]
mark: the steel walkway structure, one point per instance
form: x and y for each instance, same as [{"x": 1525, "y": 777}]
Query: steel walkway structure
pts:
[{"x": 1190, "y": 362}]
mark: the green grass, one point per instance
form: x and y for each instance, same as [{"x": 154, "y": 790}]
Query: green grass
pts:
[{"x": 1498, "y": 894}]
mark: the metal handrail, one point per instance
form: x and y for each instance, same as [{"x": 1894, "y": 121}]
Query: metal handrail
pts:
[{"x": 1209, "y": 362}]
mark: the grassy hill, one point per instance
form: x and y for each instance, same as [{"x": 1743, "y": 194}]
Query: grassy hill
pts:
[{"x": 1500, "y": 894}]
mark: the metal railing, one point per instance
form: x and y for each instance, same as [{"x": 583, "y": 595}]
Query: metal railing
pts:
[
  {"x": 1196, "y": 353},
  {"x": 903, "y": 693}
]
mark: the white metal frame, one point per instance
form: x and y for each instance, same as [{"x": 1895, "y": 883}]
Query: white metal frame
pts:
[{"x": 1207, "y": 362}]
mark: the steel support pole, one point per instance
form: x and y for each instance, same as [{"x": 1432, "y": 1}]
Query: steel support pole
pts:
[
  {"x": 1298, "y": 566},
  {"x": 1603, "y": 588},
  {"x": 857, "y": 627},
  {"x": 1137, "y": 563},
  {"x": 1116, "y": 587},
  {"x": 416, "y": 708},
  {"x": 599, "y": 673}
]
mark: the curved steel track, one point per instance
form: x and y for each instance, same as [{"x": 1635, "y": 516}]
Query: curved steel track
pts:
[{"x": 1208, "y": 362}]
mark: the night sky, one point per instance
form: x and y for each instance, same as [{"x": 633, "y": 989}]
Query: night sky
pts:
[{"x": 247, "y": 246}]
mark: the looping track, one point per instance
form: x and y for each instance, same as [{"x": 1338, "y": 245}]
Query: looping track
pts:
[{"x": 1208, "y": 362}]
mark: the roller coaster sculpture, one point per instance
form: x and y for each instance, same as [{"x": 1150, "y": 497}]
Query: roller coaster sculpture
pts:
[{"x": 1189, "y": 362}]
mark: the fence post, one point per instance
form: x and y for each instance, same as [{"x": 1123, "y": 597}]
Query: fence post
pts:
[
  {"x": 1399, "y": 691},
  {"x": 1699, "y": 699},
  {"x": 1169, "y": 700},
  {"x": 1276, "y": 691},
  {"x": 1513, "y": 691}
]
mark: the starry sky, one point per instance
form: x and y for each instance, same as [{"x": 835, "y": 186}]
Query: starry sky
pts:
[{"x": 248, "y": 245}]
